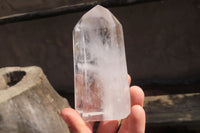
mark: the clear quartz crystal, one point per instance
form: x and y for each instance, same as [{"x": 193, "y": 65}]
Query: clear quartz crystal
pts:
[{"x": 100, "y": 72}]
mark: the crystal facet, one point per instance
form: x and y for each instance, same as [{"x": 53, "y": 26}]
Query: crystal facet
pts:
[{"x": 100, "y": 72}]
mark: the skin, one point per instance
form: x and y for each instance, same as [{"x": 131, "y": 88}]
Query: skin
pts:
[{"x": 134, "y": 123}]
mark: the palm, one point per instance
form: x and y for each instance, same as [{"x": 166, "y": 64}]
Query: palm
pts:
[{"x": 134, "y": 123}]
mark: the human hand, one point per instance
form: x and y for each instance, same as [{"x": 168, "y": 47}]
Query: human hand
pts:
[{"x": 134, "y": 123}]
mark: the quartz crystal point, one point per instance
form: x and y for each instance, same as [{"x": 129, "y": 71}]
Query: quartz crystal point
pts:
[{"x": 100, "y": 72}]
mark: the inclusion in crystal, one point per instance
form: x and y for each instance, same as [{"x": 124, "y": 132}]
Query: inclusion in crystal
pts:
[{"x": 100, "y": 71}]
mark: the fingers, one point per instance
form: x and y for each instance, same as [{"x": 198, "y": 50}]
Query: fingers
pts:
[
  {"x": 135, "y": 123},
  {"x": 108, "y": 126},
  {"x": 137, "y": 119},
  {"x": 75, "y": 122},
  {"x": 137, "y": 96}
]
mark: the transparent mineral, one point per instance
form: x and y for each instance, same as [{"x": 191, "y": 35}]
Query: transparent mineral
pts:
[{"x": 100, "y": 72}]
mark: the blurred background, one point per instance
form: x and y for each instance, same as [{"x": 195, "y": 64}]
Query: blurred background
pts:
[{"x": 162, "y": 41}]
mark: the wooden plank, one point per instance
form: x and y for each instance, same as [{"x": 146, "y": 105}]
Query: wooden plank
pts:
[
  {"x": 12, "y": 11},
  {"x": 170, "y": 109}
]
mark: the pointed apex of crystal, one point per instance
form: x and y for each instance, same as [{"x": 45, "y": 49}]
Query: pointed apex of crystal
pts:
[
  {"x": 100, "y": 12},
  {"x": 98, "y": 7},
  {"x": 97, "y": 11}
]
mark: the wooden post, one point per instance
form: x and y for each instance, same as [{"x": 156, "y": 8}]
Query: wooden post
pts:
[{"x": 28, "y": 103}]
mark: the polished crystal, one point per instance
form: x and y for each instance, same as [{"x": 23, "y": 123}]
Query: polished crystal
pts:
[{"x": 100, "y": 71}]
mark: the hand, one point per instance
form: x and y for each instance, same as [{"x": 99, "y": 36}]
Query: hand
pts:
[{"x": 134, "y": 123}]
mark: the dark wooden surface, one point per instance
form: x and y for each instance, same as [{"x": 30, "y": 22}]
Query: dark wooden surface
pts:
[
  {"x": 12, "y": 11},
  {"x": 173, "y": 109},
  {"x": 173, "y": 113}
]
